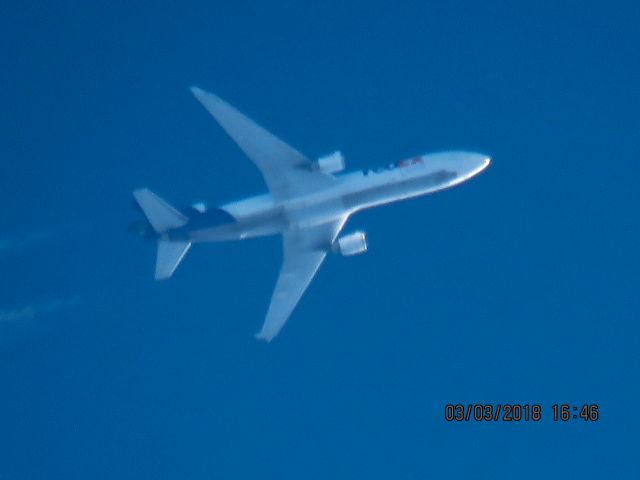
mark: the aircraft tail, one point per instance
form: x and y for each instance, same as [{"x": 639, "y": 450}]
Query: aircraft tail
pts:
[
  {"x": 170, "y": 254},
  {"x": 160, "y": 214},
  {"x": 163, "y": 217}
]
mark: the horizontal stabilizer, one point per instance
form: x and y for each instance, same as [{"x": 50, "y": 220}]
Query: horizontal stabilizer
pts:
[
  {"x": 160, "y": 214},
  {"x": 170, "y": 254}
]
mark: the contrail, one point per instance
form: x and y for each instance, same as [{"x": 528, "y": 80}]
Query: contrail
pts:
[
  {"x": 15, "y": 242},
  {"x": 31, "y": 311}
]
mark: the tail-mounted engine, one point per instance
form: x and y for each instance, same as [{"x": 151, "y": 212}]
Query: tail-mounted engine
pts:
[
  {"x": 333, "y": 163},
  {"x": 199, "y": 207},
  {"x": 353, "y": 244}
]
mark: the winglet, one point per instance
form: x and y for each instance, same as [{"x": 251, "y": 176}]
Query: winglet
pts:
[
  {"x": 263, "y": 336},
  {"x": 197, "y": 91}
]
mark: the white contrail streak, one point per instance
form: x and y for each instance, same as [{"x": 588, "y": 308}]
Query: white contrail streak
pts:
[{"x": 28, "y": 312}]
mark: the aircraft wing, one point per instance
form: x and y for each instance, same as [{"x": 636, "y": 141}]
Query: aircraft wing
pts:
[
  {"x": 287, "y": 172},
  {"x": 303, "y": 250}
]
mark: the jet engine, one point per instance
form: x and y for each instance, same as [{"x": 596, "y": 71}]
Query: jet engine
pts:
[
  {"x": 333, "y": 163},
  {"x": 352, "y": 244},
  {"x": 199, "y": 207}
]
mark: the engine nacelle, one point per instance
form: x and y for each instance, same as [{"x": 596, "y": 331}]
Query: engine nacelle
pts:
[
  {"x": 199, "y": 207},
  {"x": 352, "y": 244},
  {"x": 333, "y": 163}
]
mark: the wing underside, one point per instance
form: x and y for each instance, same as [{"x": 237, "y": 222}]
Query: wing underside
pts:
[
  {"x": 286, "y": 171},
  {"x": 303, "y": 251},
  {"x": 288, "y": 174}
]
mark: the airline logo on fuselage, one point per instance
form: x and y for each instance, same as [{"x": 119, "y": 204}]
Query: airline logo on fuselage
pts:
[{"x": 392, "y": 166}]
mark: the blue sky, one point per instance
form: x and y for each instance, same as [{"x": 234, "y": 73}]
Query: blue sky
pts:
[{"x": 520, "y": 286}]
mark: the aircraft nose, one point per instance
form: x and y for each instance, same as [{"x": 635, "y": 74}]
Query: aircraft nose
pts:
[
  {"x": 480, "y": 162},
  {"x": 477, "y": 162},
  {"x": 465, "y": 164}
]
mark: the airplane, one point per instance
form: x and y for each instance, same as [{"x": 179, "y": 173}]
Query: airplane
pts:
[{"x": 308, "y": 204}]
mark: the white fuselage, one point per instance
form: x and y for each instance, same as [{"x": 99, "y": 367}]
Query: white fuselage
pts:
[{"x": 263, "y": 215}]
